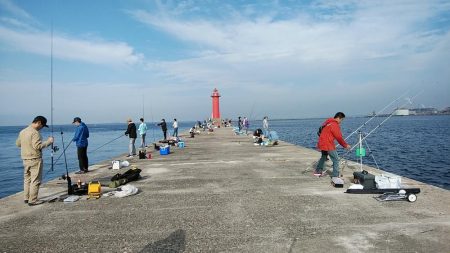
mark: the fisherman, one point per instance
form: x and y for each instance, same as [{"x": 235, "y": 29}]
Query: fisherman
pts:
[
  {"x": 31, "y": 145},
  {"x": 239, "y": 123},
  {"x": 330, "y": 131},
  {"x": 175, "y": 128},
  {"x": 131, "y": 132},
  {"x": 266, "y": 126},
  {"x": 246, "y": 124},
  {"x": 81, "y": 140},
  {"x": 143, "y": 132},
  {"x": 163, "y": 125}
]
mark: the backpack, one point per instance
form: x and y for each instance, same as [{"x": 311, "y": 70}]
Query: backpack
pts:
[{"x": 319, "y": 132}]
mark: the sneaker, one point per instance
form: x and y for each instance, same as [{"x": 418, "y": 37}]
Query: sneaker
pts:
[
  {"x": 25, "y": 201},
  {"x": 129, "y": 156},
  {"x": 317, "y": 173},
  {"x": 35, "y": 203},
  {"x": 80, "y": 172}
]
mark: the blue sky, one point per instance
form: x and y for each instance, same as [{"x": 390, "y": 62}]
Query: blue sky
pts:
[{"x": 284, "y": 59}]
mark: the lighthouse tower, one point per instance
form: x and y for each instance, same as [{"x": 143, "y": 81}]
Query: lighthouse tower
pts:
[{"x": 215, "y": 107}]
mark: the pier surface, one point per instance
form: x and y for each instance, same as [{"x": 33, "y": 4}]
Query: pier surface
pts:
[{"x": 223, "y": 194}]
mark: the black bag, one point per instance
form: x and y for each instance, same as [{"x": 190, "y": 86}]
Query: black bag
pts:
[
  {"x": 364, "y": 178},
  {"x": 142, "y": 154}
]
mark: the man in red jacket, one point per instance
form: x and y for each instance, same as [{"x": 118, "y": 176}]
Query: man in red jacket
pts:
[{"x": 330, "y": 131}]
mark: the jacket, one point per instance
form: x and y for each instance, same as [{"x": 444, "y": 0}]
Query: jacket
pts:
[
  {"x": 163, "y": 125},
  {"x": 81, "y": 135},
  {"x": 142, "y": 128},
  {"x": 131, "y": 131},
  {"x": 30, "y": 142},
  {"x": 330, "y": 132}
]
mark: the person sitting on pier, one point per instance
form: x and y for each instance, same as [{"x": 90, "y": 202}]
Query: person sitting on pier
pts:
[
  {"x": 258, "y": 136},
  {"x": 192, "y": 131}
]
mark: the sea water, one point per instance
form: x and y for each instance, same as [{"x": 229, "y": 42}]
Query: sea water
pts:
[
  {"x": 417, "y": 147},
  {"x": 11, "y": 167},
  {"x": 412, "y": 146}
]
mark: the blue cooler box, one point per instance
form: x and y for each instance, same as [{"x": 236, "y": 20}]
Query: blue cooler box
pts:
[{"x": 164, "y": 150}]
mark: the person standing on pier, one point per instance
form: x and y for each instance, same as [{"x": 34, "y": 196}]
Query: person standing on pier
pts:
[
  {"x": 131, "y": 132},
  {"x": 31, "y": 145},
  {"x": 246, "y": 124},
  {"x": 175, "y": 128},
  {"x": 331, "y": 131},
  {"x": 239, "y": 123},
  {"x": 266, "y": 126},
  {"x": 143, "y": 132},
  {"x": 81, "y": 140},
  {"x": 163, "y": 125}
]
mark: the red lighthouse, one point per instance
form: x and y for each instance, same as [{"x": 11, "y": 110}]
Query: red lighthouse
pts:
[{"x": 215, "y": 107}]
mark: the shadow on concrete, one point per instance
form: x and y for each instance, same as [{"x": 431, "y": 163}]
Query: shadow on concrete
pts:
[{"x": 174, "y": 243}]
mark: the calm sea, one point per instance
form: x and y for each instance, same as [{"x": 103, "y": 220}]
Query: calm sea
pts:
[
  {"x": 11, "y": 167},
  {"x": 415, "y": 146}
]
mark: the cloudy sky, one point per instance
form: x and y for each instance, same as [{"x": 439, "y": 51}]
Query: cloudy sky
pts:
[{"x": 285, "y": 59}]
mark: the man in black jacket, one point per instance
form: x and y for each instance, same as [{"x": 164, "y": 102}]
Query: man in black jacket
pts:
[
  {"x": 163, "y": 128},
  {"x": 131, "y": 132}
]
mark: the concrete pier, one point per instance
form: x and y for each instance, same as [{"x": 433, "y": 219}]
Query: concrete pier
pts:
[{"x": 223, "y": 194}]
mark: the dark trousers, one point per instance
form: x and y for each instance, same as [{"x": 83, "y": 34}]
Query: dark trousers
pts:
[
  {"x": 165, "y": 134},
  {"x": 82, "y": 158}
]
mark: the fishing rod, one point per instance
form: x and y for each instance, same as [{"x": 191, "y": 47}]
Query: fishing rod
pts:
[
  {"x": 64, "y": 151},
  {"x": 53, "y": 147},
  {"x": 107, "y": 143},
  {"x": 67, "y": 177},
  {"x": 153, "y": 127},
  {"x": 375, "y": 115}
]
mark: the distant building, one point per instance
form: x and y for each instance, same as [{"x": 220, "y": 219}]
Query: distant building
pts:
[
  {"x": 423, "y": 111},
  {"x": 445, "y": 110},
  {"x": 401, "y": 112}
]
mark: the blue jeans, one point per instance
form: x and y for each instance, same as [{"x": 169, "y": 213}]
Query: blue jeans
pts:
[
  {"x": 266, "y": 132},
  {"x": 175, "y": 132},
  {"x": 334, "y": 157},
  {"x": 131, "y": 147},
  {"x": 143, "y": 144}
]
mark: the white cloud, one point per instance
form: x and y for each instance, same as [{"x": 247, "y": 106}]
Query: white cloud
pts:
[
  {"x": 15, "y": 10},
  {"x": 97, "y": 52}
]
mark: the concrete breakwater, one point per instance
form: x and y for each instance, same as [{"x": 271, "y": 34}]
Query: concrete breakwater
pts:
[{"x": 222, "y": 194}]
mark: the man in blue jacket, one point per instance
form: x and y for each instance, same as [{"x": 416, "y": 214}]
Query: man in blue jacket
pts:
[{"x": 81, "y": 140}]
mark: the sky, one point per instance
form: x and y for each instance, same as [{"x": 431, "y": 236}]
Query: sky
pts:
[{"x": 115, "y": 59}]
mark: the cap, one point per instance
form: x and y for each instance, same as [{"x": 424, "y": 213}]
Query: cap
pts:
[
  {"x": 41, "y": 119},
  {"x": 76, "y": 119}
]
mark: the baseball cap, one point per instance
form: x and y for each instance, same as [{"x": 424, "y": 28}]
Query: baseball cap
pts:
[
  {"x": 76, "y": 119},
  {"x": 41, "y": 119}
]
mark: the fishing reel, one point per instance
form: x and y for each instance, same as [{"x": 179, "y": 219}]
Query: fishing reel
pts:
[{"x": 55, "y": 149}]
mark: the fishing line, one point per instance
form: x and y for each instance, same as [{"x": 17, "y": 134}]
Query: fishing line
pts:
[
  {"x": 377, "y": 114},
  {"x": 153, "y": 127},
  {"x": 107, "y": 143},
  {"x": 382, "y": 122}
]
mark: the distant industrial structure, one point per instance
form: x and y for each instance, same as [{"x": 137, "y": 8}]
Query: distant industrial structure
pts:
[{"x": 420, "y": 111}]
